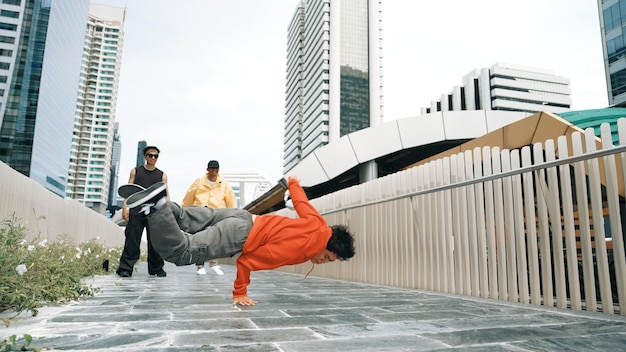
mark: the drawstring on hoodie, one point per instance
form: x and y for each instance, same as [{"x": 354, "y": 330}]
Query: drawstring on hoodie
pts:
[{"x": 307, "y": 274}]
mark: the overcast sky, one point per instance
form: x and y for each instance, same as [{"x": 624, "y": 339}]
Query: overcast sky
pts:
[{"x": 205, "y": 79}]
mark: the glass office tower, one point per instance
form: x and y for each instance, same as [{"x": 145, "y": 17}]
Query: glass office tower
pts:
[
  {"x": 334, "y": 83},
  {"x": 140, "y": 159},
  {"x": 116, "y": 157},
  {"x": 612, "y": 20},
  {"x": 40, "y": 53}
]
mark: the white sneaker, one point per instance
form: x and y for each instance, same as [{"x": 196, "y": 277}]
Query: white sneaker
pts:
[
  {"x": 217, "y": 270},
  {"x": 201, "y": 271}
]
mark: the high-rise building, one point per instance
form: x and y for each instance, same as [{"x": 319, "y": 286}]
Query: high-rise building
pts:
[
  {"x": 507, "y": 87},
  {"x": 116, "y": 157},
  {"x": 94, "y": 124},
  {"x": 140, "y": 146},
  {"x": 612, "y": 20},
  {"x": 334, "y": 74},
  {"x": 41, "y": 44}
]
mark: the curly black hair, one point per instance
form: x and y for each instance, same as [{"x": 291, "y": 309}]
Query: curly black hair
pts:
[{"x": 341, "y": 242}]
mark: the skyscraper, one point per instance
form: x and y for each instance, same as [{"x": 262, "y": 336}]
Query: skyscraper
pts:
[
  {"x": 140, "y": 146},
  {"x": 94, "y": 124},
  {"x": 334, "y": 74},
  {"x": 41, "y": 45},
  {"x": 612, "y": 20},
  {"x": 116, "y": 157}
]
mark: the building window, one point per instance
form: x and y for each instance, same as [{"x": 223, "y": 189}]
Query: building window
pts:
[
  {"x": 11, "y": 14},
  {"x": 7, "y": 39},
  {"x": 8, "y": 26},
  {"x": 12, "y": 2}
]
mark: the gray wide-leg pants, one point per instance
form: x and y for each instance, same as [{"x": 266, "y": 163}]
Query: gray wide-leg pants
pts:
[{"x": 193, "y": 235}]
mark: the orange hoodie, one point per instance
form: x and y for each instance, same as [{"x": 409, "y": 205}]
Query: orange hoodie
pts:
[{"x": 275, "y": 241}]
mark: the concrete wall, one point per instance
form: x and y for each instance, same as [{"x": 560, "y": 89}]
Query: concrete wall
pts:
[{"x": 46, "y": 215}]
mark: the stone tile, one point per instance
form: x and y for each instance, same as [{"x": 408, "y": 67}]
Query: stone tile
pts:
[
  {"x": 364, "y": 344},
  {"x": 243, "y": 337},
  {"x": 594, "y": 342},
  {"x": 100, "y": 342}
]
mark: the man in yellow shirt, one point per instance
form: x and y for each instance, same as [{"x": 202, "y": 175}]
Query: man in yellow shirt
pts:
[{"x": 210, "y": 190}]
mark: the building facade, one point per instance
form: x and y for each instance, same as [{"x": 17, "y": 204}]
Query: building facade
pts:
[
  {"x": 140, "y": 147},
  {"x": 89, "y": 175},
  {"x": 115, "y": 202},
  {"x": 247, "y": 184},
  {"x": 41, "y": 45},
  {"x": 612, "y": 20},
  {"x": 507, "y": 87},
  {"x": 334, "y": 74}
]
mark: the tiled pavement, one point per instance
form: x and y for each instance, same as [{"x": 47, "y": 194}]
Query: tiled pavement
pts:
[{"x": 187, "y": 312}]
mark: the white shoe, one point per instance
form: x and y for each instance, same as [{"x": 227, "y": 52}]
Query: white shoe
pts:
[
  {"x": 217, "y": 270},
  {"x": 201, "y": 271}
]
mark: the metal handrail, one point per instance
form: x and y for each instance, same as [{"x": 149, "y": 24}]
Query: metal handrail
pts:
[{"x": 531, "y": 168}]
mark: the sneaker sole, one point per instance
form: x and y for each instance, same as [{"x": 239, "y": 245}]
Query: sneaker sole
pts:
[
  {"x": 126, "y": 191},
  {"x": 142, "y": 197}
]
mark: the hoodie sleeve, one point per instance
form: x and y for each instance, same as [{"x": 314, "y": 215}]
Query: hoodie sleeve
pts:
[
  {"x": 243, "y": 278},
  {"x": 259, "y": 259},
  {"x": 301, "y": 202}
]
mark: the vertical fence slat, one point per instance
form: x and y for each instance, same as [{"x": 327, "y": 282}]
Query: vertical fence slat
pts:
[
  {"x": 492, "y": 256},
  {"x": 456, "y": 228},
  {"x": 509, "y": 226},
  {"x": 480, "y": 226},
  {"x": 464, "y": 228},
  {"x": 442, "y": 283},
  {"x": 411, "y": 232},
  {"x": 520, "y": 238},
  {"x": 544, "y": 229},
  {"x": 595, "y": 184},
  {"x": 612, "y": 194},
  {"x": 503, "y": 292},
  {"x": 422, "y": 213},
  {"x": 531, "y": 230},
  {"x": 554, "y": 214},
  {"x": 580, "y": 179},
  {"x": 393, "y": 226},
  {"x": 429, "y": 236},
  {"x": 571, "y": 251},
  {"x": 449, "y": 226},
  {"x": 471, "y": 222},
  {"x": 618, "y": 241},
  {"x": 404, "y": 209}
]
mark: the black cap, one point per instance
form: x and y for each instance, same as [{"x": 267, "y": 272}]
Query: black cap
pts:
[
  {"x": 213, "y": 164},
  {"x": 150, "y": 147}
]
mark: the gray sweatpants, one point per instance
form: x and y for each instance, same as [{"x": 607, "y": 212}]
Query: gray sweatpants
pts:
[{"x": 193, "y": 235}]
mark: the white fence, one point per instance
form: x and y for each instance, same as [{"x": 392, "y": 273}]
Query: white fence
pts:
[
  {"x": 541, "y": 225},
  {"x": 46, "y": 215}
]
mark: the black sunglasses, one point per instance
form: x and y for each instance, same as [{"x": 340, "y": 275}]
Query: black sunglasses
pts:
[{"x": 150, "y": 155}]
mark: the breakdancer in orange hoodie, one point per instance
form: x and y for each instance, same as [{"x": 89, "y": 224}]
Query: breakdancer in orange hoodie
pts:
[{"x": 193, "y": 235}]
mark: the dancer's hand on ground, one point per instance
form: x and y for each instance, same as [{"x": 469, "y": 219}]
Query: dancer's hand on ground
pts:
[{"x": 244, "y": 301}]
